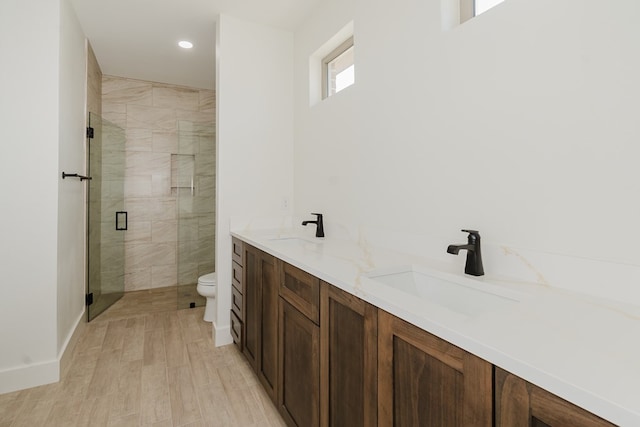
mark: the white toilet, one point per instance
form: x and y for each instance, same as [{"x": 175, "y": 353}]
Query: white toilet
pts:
[{"x": 208, "y": 289}]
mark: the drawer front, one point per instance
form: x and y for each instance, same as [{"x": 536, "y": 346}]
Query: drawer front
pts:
[
  {"x": 236, "y": 275},
  {"x": 236, "y": 330},
  {"x": 236, "y": 302},
  {"x": 302, "y": 290},
  {"x": 237, "y": 252}
]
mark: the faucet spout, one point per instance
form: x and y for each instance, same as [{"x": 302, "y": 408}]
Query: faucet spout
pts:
[
  {"x": 455, "y": 249},
  {"x": 474, "y": 256}
]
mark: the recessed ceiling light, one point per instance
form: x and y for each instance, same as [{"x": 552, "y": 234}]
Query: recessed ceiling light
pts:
[{"x": 185, "y": 44}]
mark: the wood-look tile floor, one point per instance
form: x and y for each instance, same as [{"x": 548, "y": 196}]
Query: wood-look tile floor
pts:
[{"x": 142, "y": 363}]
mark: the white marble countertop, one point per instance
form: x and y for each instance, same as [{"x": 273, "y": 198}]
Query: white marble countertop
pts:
[{"x": 581, "y": 348}]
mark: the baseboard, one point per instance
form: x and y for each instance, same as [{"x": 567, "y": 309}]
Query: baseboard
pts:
[
  {"x": 38, "y": 374},
  {"x": 222, "y": 335},
  {"x": 29, "y": 376},
  {"x": 65, "y": 356}
]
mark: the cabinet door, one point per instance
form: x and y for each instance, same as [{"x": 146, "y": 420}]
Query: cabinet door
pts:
[
  {"x": 348, "y": 367},
  {"x": 299, "y": 360},
  {"x": 425, "y": 381},
  {"x": 251, "y": 303},
  {"x": 522, "y": 404},
  {"x": 268, "y": 332}
]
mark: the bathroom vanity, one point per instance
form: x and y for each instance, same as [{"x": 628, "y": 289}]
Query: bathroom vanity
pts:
[{"x": 333, "y": 347}]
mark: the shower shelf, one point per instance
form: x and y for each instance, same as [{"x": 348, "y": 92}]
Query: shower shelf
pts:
[{"x": 182, "y": 171}]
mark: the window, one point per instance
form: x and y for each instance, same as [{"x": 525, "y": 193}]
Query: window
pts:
[
  {"x": 482, "y": 6},
  {"x": 471, "y": 8},
  {"x": 338, "y": 69}
]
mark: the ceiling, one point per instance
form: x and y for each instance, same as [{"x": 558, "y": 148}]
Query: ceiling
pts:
[{"x": 138, "y": 38}]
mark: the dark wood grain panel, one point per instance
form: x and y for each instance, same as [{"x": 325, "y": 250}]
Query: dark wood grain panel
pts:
[
  {"x": 425, "y": 381},
  {"x": 236, "y": 302},
  {"x": 512, "y": 400},
  {"x": 236, "y": 330},
  {"x": 268, "y": 355},
  {"x": 302, "y": 290},
  {"x": 348, "y": 366},
  {"x": 237, "y": 251},
  {"x": 522, "y": 404},
  {"x": 251, "y": 304},
  {"x": 236, "y": 275},
  {"x": 299, "y": 376},
  {"x": 428, "y": 391}
]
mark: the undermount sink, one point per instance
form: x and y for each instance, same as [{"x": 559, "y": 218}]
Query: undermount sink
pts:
[
  {"x": 290, "y": 239},
  {"x": 293, "y": 242},
  {"x": 277, "y": 238},
  {"x": 464, "y": 296}
]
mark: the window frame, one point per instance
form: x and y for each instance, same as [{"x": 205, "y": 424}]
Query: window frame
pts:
[
  {"x": 335, "y": 53},
  {"x": 467, "y": 10}
]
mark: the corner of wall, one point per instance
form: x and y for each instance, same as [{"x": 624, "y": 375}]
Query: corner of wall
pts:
[{"x": 221, "y": 335}]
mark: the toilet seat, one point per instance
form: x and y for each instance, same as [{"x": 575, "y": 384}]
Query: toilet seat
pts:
[{"x": 207, "y": 280}]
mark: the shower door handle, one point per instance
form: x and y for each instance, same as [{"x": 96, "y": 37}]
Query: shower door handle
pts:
[{"x": 119, "y": 217}]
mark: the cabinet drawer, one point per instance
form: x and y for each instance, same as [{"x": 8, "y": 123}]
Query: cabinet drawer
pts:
[
  {"x": 236, "y": 275},
  {"x": 302, "y": 290},
  {"x": 237, "y": 252},
  {"x": 236, "y": 301},
  {"x": 236, "y": 330}
]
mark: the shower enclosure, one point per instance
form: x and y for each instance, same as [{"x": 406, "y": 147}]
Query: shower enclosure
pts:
[
  {"x": 194, "y": 182},
  {"x": 107, "y": 219}
]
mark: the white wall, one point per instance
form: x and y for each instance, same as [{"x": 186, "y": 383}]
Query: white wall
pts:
[
  {"x": 71, "y": 193},
  {"x": 254, "y": 136},
  {"x": 29, "y": 105},
  {"x": 42, "y": 250},
  {"x": 521, "y": 123}
]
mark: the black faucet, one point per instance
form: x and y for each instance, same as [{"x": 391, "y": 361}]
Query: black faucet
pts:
[
  {"x": 474, "y": 256},
  {"x": 318, "y": 222}
]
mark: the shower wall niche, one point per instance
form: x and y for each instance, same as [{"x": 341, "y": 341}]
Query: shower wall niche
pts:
[{"x": 169, "y": 179}]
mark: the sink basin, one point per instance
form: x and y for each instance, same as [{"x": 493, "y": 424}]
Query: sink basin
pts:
[
  {"x": 464, "y": 296},
  {"x": 279, "y": 238},
  {"x": 294, "y": 242}
]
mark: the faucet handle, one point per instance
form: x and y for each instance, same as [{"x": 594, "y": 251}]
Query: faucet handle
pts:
[
  {"x": 316, "y": 214},
  {"x": 474, "y": 235}
]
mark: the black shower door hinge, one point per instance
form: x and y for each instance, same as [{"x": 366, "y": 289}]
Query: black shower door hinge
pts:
[
  {"x": 90, "y": 132},
  {"x": 89, "y": 299}
]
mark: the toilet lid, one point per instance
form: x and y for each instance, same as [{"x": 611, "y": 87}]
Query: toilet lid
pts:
[{"x": 207, "y": 279}]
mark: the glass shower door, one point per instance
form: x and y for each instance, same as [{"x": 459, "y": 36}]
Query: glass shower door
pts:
[
  {"x": 194, "y": 183},
  {"x": 107, "y": 218}
]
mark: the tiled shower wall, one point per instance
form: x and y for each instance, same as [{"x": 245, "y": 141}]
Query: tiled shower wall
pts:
[{"x": 151, "y": 114}]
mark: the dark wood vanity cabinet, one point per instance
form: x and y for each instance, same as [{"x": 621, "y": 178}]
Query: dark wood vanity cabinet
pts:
[
  {"x": 348, "y": 359},
  {"x": 261, "y": 276},
  {"x": 327, "y": 358},
  {"x": 519, "y": 403},
  {"x": 426, "y": 381}
]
